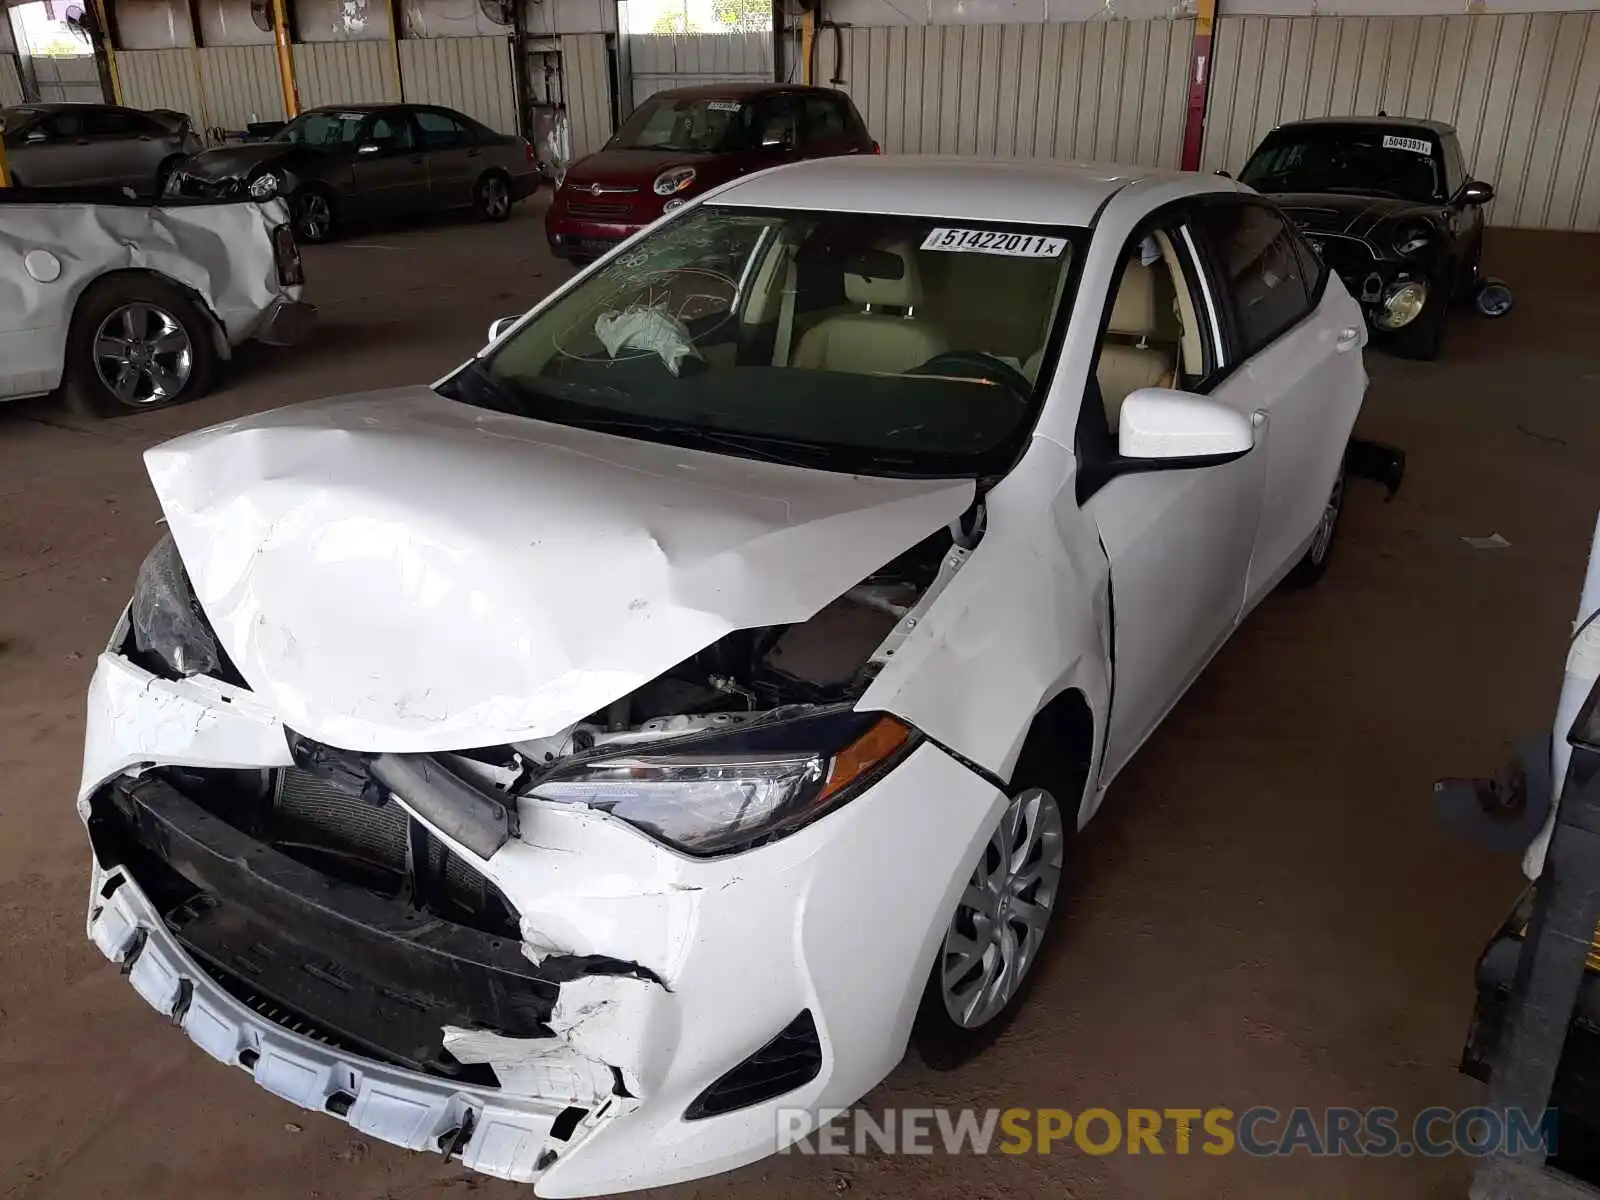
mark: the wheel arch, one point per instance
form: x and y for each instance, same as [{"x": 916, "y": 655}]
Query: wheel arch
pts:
[
  {"x": 215, "y": 328},
  {"x": 1065, "y": 725}
]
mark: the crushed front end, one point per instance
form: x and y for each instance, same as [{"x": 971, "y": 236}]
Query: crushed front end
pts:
[{"x": 483, "y": 953}]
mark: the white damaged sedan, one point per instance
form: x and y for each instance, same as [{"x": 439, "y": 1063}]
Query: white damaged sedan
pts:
[{"x": 672, "y": 714}]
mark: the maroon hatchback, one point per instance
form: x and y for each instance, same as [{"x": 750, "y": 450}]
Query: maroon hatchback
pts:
[{"x": 679, "y": 144}]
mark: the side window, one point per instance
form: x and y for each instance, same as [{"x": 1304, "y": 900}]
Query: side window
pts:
[
  {"x": 65, "y": 126},
  {"x": 109, "y": 122},
  {"x": 1312, "y": 269},
  {"x": 826, "y": 123},
  {"x": 441, "y": 131},
  {"x": 777, "y": 123},
  {"x": 1257, "y": 256},
  {"x": 1158, "y": 331},
  {"x": 391, "y": 131}
]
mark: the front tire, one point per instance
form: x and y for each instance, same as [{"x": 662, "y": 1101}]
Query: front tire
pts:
[
  {"x": 1313, "y": 563},
  {"x": 1424, "y": 338},
  {"x": 136, "y": 343},
  {"x": 313, "y": 216},
  {"x": 491, "y": 199},
  {"x": 985, "y": 962}
]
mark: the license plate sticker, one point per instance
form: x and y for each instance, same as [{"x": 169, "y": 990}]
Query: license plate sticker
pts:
[
  {"x": 1422, "y": 146},
  {"x": 990, "y": 241},
  {"x": 725, "y": 105}
]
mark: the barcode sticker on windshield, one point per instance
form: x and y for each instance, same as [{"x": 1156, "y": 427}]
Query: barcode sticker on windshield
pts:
[
  {"x": 989, "y": 241},
  {"x": 1415, "y": 145}
]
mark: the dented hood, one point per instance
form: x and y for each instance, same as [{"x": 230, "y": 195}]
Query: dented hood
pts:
[{"x": 398, "y": 571}]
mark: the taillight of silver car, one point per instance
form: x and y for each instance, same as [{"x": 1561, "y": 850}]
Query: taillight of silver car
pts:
[{"x": 286, "y": 253}]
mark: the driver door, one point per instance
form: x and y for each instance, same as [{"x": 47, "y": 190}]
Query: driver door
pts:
[
  {"x": 390, "y": 170},
  {"x": 1178, "y": 540}
]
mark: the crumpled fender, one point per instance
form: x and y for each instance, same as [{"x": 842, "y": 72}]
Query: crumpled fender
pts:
[{"x": 1019, "y": 624}]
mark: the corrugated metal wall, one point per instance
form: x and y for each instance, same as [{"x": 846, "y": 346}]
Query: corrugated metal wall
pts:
[
  {"x": 10, "y": 80},
  {"x": 345, "y": 73},
  {"x": 1522, "y": 89},
  {"x": 1110, "y": 91},
  {"x": 240, "y": 84},
  {"x": 586, "y": 75},
  {"x": 162, "y": 79},
  {"x": 661, "y": 61},
  {"x": 68, "y": 80},
  {"x": 470, "y": 74}
]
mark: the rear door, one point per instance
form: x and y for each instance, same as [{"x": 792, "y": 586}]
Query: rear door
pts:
[
  {"x": 454, "y": 157},
  {"x": 390, "y": 171},
  {"x": 1300, "y": 335},
  {"x": 126, "y": 153}
]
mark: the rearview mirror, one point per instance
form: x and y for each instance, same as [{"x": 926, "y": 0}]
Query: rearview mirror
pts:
[
  {"x": 499, "y": 325},
  {"x": 1159, "y": 424},
  {"x": 1477, "y": 192}
]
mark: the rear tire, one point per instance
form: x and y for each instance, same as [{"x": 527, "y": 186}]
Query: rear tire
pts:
[
  {"x": 955, "y": 1022},
  {"x": 491, "y": 198},
  {"x": 1313, "y": 563},
  {"x": 136, "y": 343}
]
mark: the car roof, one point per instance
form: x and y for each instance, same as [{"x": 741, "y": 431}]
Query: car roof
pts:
[
  {"x": 1383, "y": 122},
  {"x": 1026, "y": 191},
  {"x": 738, "y": 90}
]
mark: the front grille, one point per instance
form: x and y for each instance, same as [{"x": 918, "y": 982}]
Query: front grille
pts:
[
  {"x": 789, "y": 1060},
  {"x": 604, "y": 212}
]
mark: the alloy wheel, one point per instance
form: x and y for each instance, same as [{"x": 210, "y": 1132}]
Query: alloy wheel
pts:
[
  {"x": 1001, "y": 918},
  {"x": 142, "y": 354},
  {"x": 496, "y": 199},
  {"x": 316, "y": 218},
  {"x": 1330, "y": 519}
]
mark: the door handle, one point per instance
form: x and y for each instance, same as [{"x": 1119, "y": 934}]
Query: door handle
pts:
[
  {"x": 416, "y": 160},
  {"x": 474, "y": 153},
  {"x": 1349, "y": 338}
]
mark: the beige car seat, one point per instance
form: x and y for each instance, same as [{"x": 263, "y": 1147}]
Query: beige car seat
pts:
[
  {"x": 875, "y": 341},
  {"x": 1130, "y": 356}
]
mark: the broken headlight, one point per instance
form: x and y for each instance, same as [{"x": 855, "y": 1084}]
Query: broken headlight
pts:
[
  {"x": 725, "y": 792},
  {"x": 166, "y": 618}
]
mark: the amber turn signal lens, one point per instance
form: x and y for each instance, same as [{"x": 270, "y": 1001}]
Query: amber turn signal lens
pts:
[{"x": 862, "y": 755}]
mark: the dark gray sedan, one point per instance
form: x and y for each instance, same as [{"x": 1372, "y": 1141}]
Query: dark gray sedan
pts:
[
  {"x": 358, "y": 162},
  {"x": 93, "y": 145}
]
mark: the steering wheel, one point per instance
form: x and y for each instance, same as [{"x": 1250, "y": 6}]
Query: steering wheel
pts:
[{"x": 985, "y": 366}]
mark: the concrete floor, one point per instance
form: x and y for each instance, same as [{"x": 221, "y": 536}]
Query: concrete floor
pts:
[{"x": 1265, "y": 911}]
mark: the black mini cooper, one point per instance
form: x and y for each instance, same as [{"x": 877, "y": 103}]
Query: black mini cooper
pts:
[{"x": 1388, "y": 204}]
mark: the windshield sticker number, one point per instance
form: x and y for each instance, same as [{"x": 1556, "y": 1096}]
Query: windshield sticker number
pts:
[
  {"x": 1415, "y": 145},
  {"x": 725, "y": 105},
  {"x": 989, "y": 241}
]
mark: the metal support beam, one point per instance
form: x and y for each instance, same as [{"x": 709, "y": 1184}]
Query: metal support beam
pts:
[
  {"x": 1194, "y": 129},
  {"x": 808, "y": 44},
  {"x": 396, "y": 19},
  {"x": 105, "y": 57},
  {"x": 283, "y": 39},
  {"x": 5, "y": 175}
]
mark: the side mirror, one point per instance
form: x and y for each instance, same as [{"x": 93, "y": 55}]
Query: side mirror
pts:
[
  {"x": 368, "y": 148},
  {"x": 1162, "y": 425},
  {"x": 1477, "y": 192},
  {"x": 499, "y": 325}
]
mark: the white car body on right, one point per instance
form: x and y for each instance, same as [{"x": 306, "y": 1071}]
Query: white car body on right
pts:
[{"x": 467, "y": 603}]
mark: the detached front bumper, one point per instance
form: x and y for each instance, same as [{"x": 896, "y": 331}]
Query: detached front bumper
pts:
[{"x": 643, "y": 982}]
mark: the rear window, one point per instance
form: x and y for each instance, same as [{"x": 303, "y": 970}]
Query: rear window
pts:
[{"x": 685, "y": 126}]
